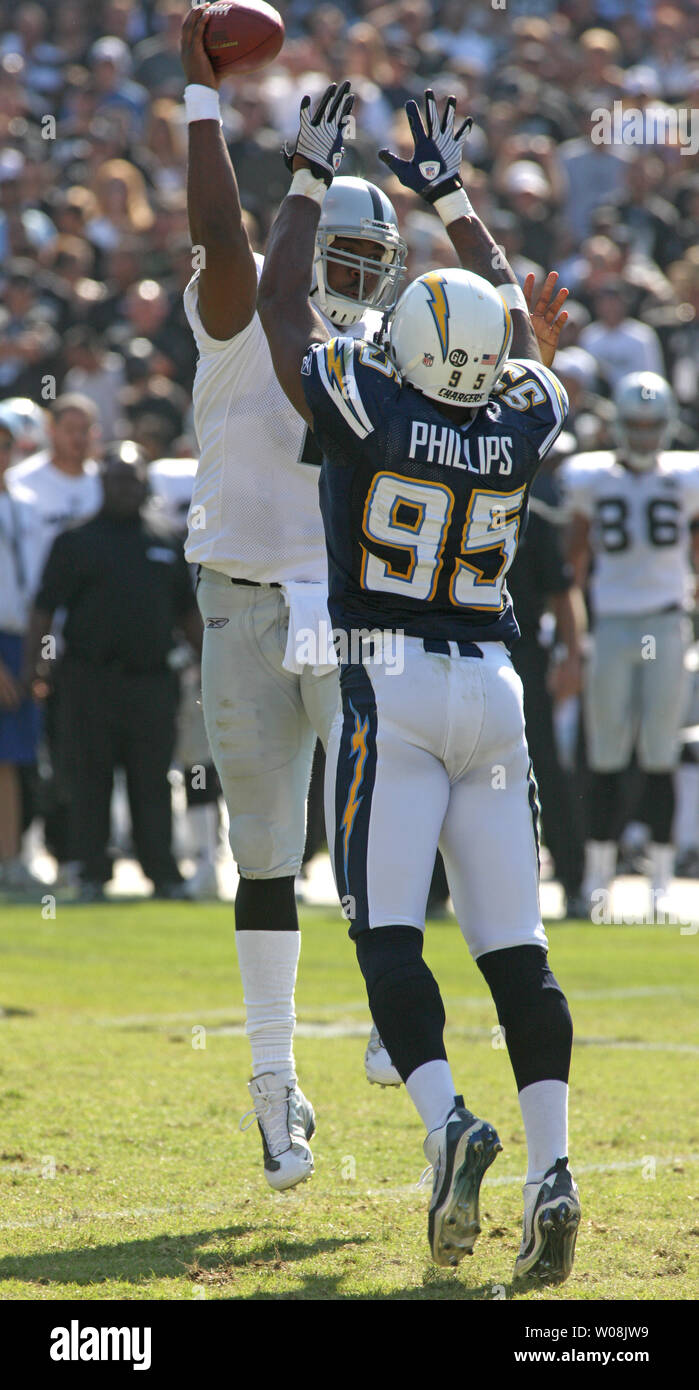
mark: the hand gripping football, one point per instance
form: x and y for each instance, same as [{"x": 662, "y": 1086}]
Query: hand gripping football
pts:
[{"x": 242, "y": 35}]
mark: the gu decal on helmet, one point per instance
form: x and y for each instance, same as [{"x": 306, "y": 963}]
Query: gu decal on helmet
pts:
[
  {"x": 429, "y": 169},
  {"x": 458, "y": 357}
]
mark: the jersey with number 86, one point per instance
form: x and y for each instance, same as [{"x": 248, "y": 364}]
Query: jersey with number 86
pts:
[
  {"x": 422, "y": 515},
  {"x": 639, "y": 529}
]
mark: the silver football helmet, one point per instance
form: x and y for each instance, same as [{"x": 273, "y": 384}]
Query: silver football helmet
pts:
[
  {"x": 645, "y": 416},
  {"x": 28, "y": 422},
  {"x": 358, "y": 209}
]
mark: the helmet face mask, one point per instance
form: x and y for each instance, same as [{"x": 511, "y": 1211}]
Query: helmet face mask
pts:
[
  {"x": 449, "y": 337},
  {"x": 645, "y": 415},
  {"x": 358, "y": 210}
]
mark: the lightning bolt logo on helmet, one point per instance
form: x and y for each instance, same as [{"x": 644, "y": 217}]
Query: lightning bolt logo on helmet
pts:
[{"x": 434, "y": 284}]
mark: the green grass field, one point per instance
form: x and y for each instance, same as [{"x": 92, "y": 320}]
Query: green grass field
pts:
[{"x": 123, "y": 1173}]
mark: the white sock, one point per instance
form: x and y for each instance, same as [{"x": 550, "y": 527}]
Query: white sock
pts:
[
  {"x": 544, "y": 1107},
  {"x": 662, "y": 862},
  {"x": 600, "y": 864},
  {"x": 203, "y": 830},
  {"x": 431, "y": 1089},
  {"x": 268, "y": 961}
]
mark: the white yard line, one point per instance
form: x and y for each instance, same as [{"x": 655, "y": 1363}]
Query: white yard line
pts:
[
  {"x": 359, "y": 1006},
  {"x": 517, "y": 1180},
  {"x": 412, "y": 1190},
  {"x": 355, "y": 1030}
]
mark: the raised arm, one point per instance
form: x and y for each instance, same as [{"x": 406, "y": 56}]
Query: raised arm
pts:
[
  {"x": 287, "y": 315},
  {"x": 227, "y": 284},
  {"x": 434, "y": 173}
]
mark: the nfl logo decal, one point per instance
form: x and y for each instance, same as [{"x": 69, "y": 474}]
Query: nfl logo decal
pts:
[
  {"x": 429, "y": 169},
  {"x": 337, "y": 160},
  {"x": 427, "y": 359}
]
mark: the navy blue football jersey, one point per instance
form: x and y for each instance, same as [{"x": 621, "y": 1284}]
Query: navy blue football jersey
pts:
[{"x": 422, "y": 517}]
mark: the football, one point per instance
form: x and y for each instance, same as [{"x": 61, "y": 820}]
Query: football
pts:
[{"x": 242, "y": 35}]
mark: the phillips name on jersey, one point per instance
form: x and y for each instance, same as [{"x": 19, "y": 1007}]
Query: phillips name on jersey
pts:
[{"x": 422, "y": 515}]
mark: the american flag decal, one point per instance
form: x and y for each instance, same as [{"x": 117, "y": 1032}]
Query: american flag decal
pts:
[{"x": 488, "y": 359}]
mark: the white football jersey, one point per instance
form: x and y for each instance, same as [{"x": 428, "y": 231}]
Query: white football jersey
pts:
[
  {"x": 639, "y": 529},
  {"x": 61, "y": 499},
  {"x": 255, "y": 511}
]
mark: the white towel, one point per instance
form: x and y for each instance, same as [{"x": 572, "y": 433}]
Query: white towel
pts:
[{"x": 309, "y": 642}]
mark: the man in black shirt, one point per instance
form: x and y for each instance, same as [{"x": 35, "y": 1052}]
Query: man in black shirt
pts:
[{"x": 125, "y": 587}]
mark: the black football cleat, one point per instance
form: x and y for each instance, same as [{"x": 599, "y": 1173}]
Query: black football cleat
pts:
[
  {"x": 550, "y": 1227},
  {"x": 460, "y": 1153}
]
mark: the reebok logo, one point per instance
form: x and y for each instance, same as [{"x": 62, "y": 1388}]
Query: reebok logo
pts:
[
  {"x": 76, "y": 1343},
  {"x": 217, "y": 622}
]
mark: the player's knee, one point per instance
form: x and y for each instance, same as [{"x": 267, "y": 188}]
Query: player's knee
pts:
[
  {"x": 259, "y": 852},
  {"x": 396, "y": 976},
  {"x": 382, "y": 951},
  {"x": 532, "y": 1011}
]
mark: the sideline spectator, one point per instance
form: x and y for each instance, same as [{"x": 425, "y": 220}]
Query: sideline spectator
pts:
[
  {"x": 19, "y": 717},
  {"x": 126, "y": 588},
  {"x": 63, "y": 479},
  {"x": 620, "y": 344}
]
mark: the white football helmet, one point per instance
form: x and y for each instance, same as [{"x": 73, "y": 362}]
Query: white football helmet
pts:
[
  {"x": 356, "y": 208},
  {"x": 645, "y": 416},
  {"x": 450, "y": 335}
]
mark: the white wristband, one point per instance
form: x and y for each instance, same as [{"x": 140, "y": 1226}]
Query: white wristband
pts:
[
  {"x": 453, "y": 206},
  {"x": 513, "y": 297},
  {"x": 201, "y": 103},
  {"x": 305, "y": 185}
]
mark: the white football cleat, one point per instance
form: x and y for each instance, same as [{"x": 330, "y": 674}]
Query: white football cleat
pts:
[
  {"x": 286, "y": 1122},
  {"x": 379, "y": 1068},
  {"x": 550, "y": 1226}
]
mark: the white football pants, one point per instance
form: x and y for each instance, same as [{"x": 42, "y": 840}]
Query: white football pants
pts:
[
  {"x": 435, "y": 755},
  {"x": 261, "y": 722}
]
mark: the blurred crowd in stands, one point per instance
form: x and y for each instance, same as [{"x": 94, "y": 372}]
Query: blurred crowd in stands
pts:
[
  {"x": 94, "y": 243},
  {"x": 95, "y": 250}
]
